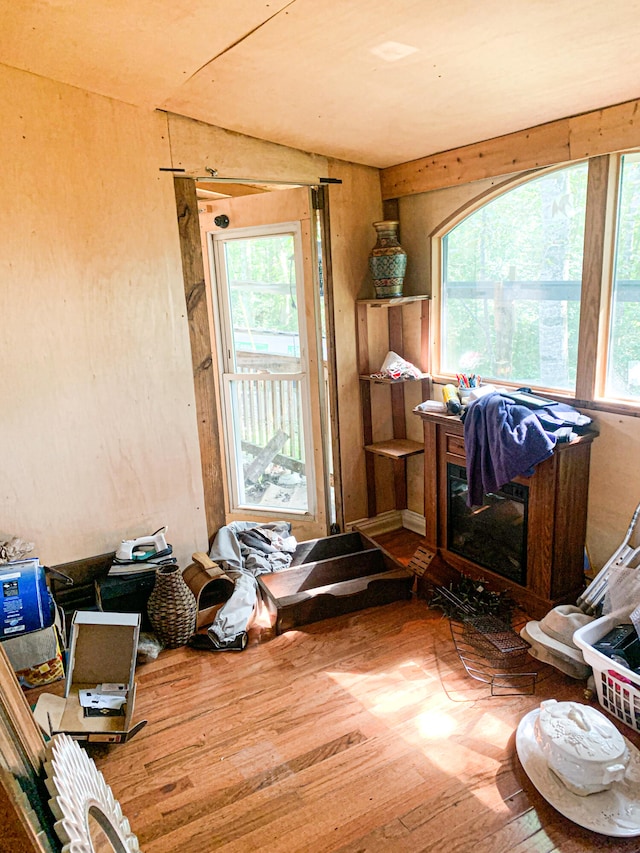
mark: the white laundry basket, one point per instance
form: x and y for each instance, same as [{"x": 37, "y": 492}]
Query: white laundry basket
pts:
[{"x": 617, "y": 686}]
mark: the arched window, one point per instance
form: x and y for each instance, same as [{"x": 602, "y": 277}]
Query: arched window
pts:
[{"x": 511, "y": 284}]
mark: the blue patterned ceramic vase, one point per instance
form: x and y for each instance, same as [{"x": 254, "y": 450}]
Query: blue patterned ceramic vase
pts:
[{"x": 387, "y": 260}]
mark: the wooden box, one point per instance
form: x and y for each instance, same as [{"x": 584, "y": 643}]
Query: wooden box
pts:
[
  {"x": 210, "y": 585},
  {"x": 332, "y": 576}
]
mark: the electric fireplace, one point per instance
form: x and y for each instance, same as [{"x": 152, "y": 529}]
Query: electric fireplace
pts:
[
  {"x": 527, "y": 537},
  {"x": 493, "y": 535}
]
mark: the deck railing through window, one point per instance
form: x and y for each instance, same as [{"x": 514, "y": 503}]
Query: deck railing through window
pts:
[{"x": 268, "y": 405}]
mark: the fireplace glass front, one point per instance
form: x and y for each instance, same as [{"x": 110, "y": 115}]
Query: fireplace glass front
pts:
[{"x": 493, "y": 535}]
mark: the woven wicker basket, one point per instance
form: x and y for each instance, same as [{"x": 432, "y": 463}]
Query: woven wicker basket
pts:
[{"x": 172, "y": 607}]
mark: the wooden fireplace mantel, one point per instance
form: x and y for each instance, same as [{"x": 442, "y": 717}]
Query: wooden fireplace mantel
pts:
[{"x": 557, "y": 516}]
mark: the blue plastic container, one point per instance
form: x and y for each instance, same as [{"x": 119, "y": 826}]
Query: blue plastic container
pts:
[{"x": 25, "y": 601}]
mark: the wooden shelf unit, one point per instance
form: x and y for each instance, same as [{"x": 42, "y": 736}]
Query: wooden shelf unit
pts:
[{"x": 398, "y": 447}]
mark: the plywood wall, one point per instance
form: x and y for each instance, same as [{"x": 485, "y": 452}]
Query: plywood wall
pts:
[
  {"x": 97, "y": 433},
  {"x": 614, "y": 484},
  {"x": 194, "y": 146},
  {"x": 614, "y": 487}
]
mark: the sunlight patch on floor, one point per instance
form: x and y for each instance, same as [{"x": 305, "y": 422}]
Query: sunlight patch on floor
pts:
[
  {"x": 490, "y": 797},
  {"x": 435, "y": 725},
  {"x": 494, "y": 730},
  {"x": 386, "y": 693}
]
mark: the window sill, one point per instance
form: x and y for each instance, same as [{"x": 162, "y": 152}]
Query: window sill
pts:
[{"x": 614, "y": 407}]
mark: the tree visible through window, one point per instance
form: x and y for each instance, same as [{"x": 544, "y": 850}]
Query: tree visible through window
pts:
[
  {"x": 623, "y": 368},
  {"x": 511, "y": 284}
]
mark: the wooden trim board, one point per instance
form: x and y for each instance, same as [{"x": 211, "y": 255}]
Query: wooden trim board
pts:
[{"x": 591, "y": 134}]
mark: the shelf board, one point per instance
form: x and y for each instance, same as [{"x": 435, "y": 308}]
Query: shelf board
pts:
[
  {"x": 392, "y": 300},
  {"x": 384, "y": 380},
  {"x": 396, "y": 448}
]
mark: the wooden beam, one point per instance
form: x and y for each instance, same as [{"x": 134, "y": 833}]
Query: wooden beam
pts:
[
  {"x": 400, "y": 483},
  {"x": 527, "y": 149},
  {"x": 605, "y": 131},
  {"x": 591, "y": 134},
  {"x": 396, "y": 344},
  {"x": 18, "y": 722},
  {"x": 596, "y": 269},
  {"x": 279, "y": 459},
  {"x": 257, "y": 466},
  {"x": 201, "y": 355}
]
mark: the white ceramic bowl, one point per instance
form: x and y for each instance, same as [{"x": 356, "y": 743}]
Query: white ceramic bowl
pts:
[{"x": 581, "y": 746}]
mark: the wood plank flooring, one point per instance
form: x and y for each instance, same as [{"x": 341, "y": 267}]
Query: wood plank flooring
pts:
[{"x": 360, "y": 734}]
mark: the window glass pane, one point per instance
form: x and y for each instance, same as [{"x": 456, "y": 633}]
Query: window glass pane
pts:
[
  {"x": 623, "y": 367},
  {"x": 511, "y": 286},
  {"x": 269, "y": 434},
  {"x": 262, "y": 287}
]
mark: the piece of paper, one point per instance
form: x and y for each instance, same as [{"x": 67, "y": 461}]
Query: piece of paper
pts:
[{"x": 94, "y": 699}]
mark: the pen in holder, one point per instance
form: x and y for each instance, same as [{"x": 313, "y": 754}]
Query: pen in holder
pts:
[{"x": 464, "y": 393}]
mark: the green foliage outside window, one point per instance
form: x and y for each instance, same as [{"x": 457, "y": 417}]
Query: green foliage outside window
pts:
[
  {"x": 511, "y": 284},
  {"x": 261, "y": 273},
  {"x": 512, "y": 281},
  {"x": 623, "y": 370}
]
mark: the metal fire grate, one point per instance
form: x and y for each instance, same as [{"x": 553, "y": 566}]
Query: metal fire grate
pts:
[{"x": 490, "y": 650}]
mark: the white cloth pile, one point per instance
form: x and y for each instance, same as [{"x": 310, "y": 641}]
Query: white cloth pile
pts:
[
  {"x": 245, "y": 550},
  {"x": 551, "y": 640},
  {"x": 396, "y": 367}
]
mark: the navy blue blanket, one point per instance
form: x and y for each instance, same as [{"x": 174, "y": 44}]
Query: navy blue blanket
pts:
[{"x": 502, "y": 440}]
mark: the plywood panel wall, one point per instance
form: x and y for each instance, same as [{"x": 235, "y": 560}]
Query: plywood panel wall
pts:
[
  {"x": 98, "y": 430},
  {"x": 98, "y": 433},
  {"x": 196, "y": 146},
  {"x": 614, "y": 484}
]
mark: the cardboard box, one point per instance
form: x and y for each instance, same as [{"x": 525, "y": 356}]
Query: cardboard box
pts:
[{"x": 102, "y": 650}]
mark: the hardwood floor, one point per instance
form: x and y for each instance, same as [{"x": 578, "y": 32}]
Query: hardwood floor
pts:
[{"x": 360, "y": 734}]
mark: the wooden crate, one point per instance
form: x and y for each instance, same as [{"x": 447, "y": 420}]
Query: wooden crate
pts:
[{"x": 330, "y": 577}]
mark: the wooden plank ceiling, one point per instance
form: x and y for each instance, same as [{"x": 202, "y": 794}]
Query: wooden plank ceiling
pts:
[{"x": 371, "y": 82}]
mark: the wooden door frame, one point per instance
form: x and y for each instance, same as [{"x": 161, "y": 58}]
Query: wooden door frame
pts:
[
  {"x": 201, "y": 355},
  {"x": 201, "y": 337},
  {"x": 321, "y": 205}
]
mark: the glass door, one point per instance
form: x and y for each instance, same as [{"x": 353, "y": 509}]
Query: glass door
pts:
[{"x": 264, "y": 355}]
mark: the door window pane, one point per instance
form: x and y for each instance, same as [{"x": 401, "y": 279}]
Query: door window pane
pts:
[
  {"x": 623, "y": 366},
  {"x": 261, "y": 274},
  {"x": 511, "y": 285},
  {"x": 265, "y": 381},
  {"x": 269, "y": 436}
]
